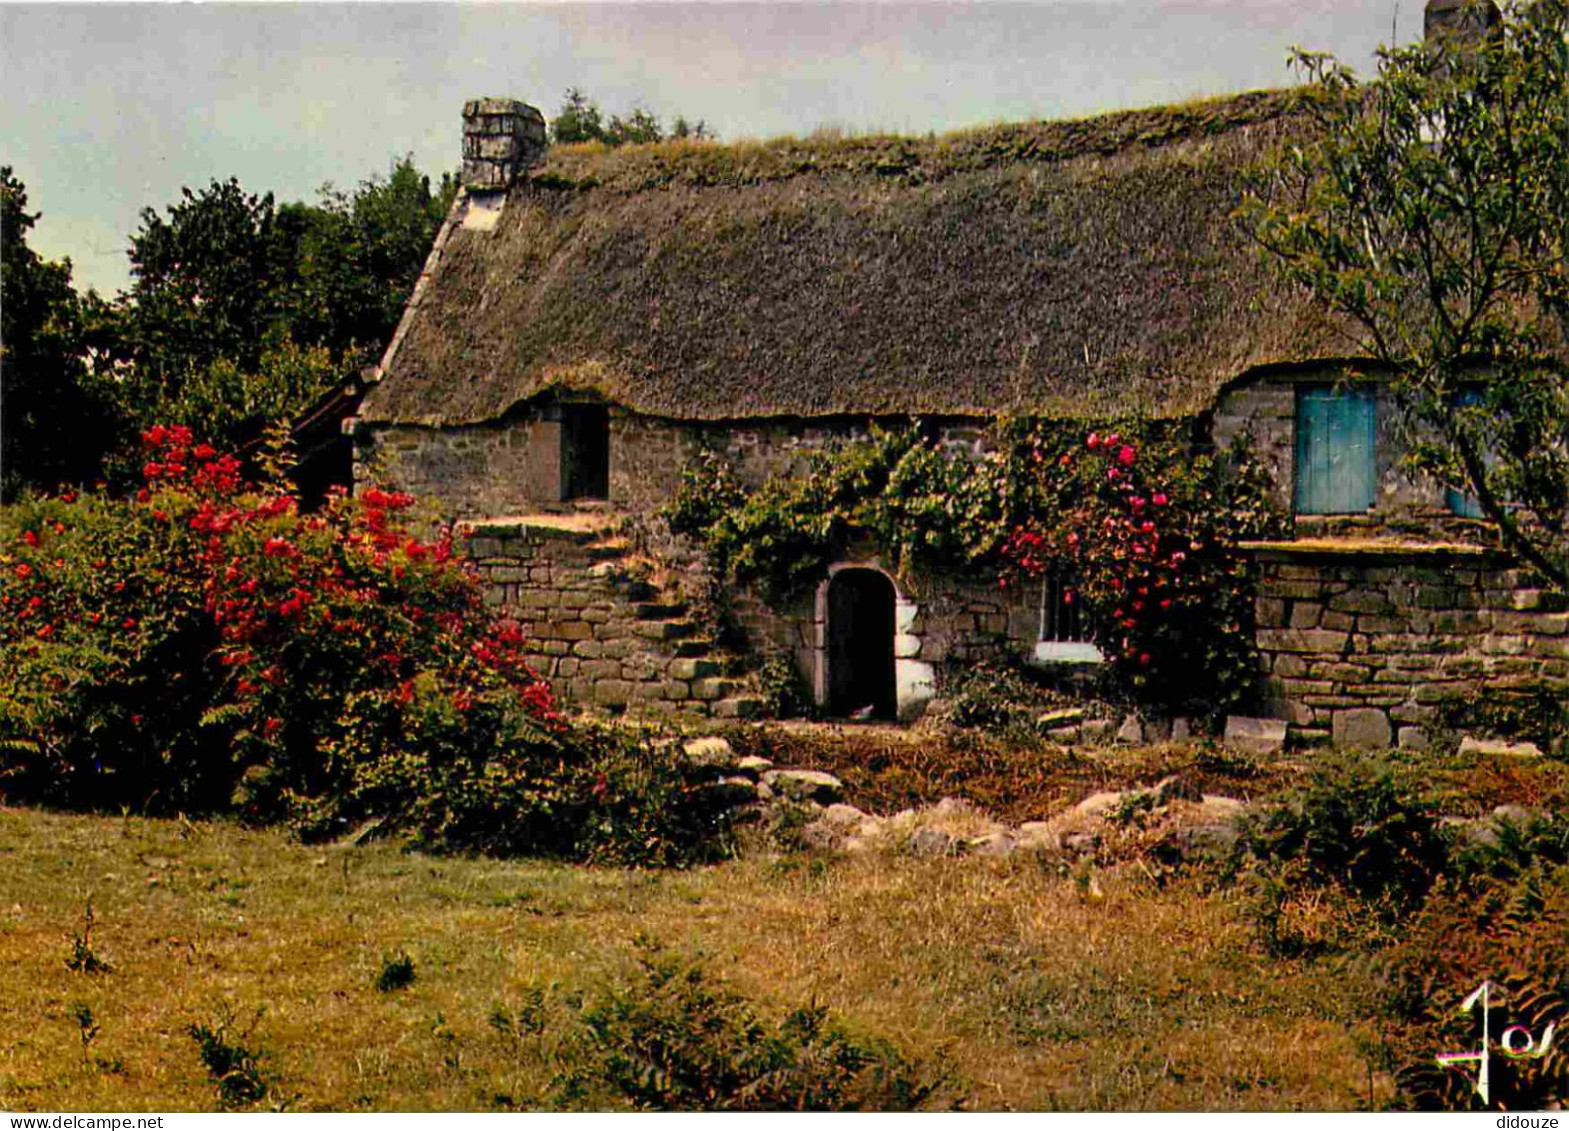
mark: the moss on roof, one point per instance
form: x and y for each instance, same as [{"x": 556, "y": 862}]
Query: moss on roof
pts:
[{"x": 1062, "y": 268}]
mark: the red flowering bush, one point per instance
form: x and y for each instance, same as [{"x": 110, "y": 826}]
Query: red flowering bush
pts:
[
  {"x": 203, "y": 645},
  {"x": 1147, "y": 529}
]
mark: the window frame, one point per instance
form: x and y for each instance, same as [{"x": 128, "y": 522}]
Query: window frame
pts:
[{"x": 1070, "y": 644}]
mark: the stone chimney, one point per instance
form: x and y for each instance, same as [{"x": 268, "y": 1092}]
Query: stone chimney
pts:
[
  {"x": 1467, "y": 21},
  {"x": 502, "y": 138}
]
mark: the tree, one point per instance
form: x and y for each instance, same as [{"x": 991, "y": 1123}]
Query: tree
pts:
[
  {"x": 52, "y": 427},
  {"x": 356, "y": 258},
  {"x": 1429, "y": 210},
  {"x": 204, "y": 288},
  {"x": 242, "y": 311},
  {"x": 580, "y": 119}
]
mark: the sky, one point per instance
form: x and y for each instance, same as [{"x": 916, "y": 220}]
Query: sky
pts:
[{"x": 112, "y": 108}]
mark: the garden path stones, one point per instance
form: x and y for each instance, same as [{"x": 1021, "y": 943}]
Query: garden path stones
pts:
[
  {"x": 730, "y": 792},
  {"x": 841, "y": 827},
  {"x": 1000, "y": 845},
  {"x": 1039, "y": 836},
  {"x": 1098, "y": 804},
  {"x": 1255, "y": 736},
  {"x": 933, "y": 842},
  {"x": 805, "y": 785},
  {"x": 710, "y": 753},
  {"x": 1496, "y": 748}
]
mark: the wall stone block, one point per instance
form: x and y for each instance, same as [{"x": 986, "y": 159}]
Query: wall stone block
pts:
[{"x": 1364, "y": 727}]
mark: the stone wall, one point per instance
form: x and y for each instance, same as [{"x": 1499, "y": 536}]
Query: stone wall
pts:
[
  {"x": 1260, "y": 411},
  {"x": 474, "y": 471},
  {"x": 512, "y": 466},
  {"x": 600, "y": 636},
  {"x": 1360, "y": 645}
]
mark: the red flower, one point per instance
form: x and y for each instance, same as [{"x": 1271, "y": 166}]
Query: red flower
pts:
[
  {"x": 24, "y": 571},
  {"x": 29, "y": 537},
  {"x": 1126, "y": 456},
  {"x": 1160, "y": 499}
]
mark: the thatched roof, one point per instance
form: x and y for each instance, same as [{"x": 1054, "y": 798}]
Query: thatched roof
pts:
[{"x": 1063, "y": 268}]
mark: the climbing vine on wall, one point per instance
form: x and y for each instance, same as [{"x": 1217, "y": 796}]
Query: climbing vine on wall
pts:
[{"x": 1146, "y": 525}]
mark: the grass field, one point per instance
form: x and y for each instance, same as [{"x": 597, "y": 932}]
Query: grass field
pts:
[
  {"x": 1038, "y": 984},
  {"x": 1039, "y": 991}
]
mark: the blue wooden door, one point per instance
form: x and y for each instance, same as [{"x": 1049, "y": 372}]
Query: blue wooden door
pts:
[
  {"x": 1337, "y": 465},
  {"x": 1463, "y": 503}
]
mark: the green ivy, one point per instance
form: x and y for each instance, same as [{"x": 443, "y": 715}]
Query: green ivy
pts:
[{"x": 1040, "y": 495}]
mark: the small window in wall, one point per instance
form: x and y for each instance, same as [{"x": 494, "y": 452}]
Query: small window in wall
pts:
[
  {"x": 1463, "y": 503},
  {"x": 1336, "y": 464},
  {"x": 1066, "y": 632},
  {"x": 585, "y": 452}
]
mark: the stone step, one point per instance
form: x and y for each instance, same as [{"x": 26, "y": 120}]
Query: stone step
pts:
[
  {"x": 689, "y": 668},
  {"x": 649, "y": 610},
  {"x": 714, "y": 688},
  {"x": 638, "y": 590},
  {"x": 664, "y": 630},
  {"x": 693, "y": 646},
  {"x": 739, "y": 707},
  {"x": 608, "y": 549}
]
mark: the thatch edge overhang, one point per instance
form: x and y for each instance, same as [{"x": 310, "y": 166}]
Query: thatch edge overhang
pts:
[{"x": 611, "y": 271}]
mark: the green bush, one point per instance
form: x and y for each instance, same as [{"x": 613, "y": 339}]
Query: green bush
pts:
[
  {"x": 998, "y": 698},
  {"x": 1359, "y": 825},
  {"x": 203, "y": 646},
  {"x": 233, "y": 1065},
  {"x": 673, "y": 1041},
  {"x": 784, "y": 692}
]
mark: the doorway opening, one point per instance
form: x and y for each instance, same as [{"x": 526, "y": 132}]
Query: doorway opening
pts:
[
  {"x": 585, "y": 452},
  {"x": 860, "y": 643}
]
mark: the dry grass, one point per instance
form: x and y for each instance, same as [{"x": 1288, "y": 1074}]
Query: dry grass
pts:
[{"x": 1041, "y": 990}]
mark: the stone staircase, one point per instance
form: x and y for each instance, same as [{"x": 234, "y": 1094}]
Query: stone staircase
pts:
[{"x": 606, "y": 627}]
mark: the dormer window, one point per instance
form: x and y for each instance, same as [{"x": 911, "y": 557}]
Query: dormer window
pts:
[{"x": 1336, "y": 451}]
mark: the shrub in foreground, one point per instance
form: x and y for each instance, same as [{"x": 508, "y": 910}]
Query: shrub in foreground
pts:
[
  {"x": 203, "y": 646},
  {"x": 675, "y": 1041}
]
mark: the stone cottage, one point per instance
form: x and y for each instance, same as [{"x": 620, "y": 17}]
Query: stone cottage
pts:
[{"x": 590, "y": 319}]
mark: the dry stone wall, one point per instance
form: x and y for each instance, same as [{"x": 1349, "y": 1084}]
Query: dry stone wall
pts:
[
  {"x": 599, "y": 635},
  {"x": 1361, "y": 646}
]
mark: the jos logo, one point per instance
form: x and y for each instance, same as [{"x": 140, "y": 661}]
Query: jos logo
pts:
[{"x": 1515, "y": 1042}]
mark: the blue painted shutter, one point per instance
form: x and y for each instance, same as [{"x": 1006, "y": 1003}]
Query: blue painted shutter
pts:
[
  {"x": 1337, "y": 469},
  {"x": 1460, "y": 503}
]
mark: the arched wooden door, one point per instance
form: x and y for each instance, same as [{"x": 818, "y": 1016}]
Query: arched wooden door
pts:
[{"x": 860, "y": 633}]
